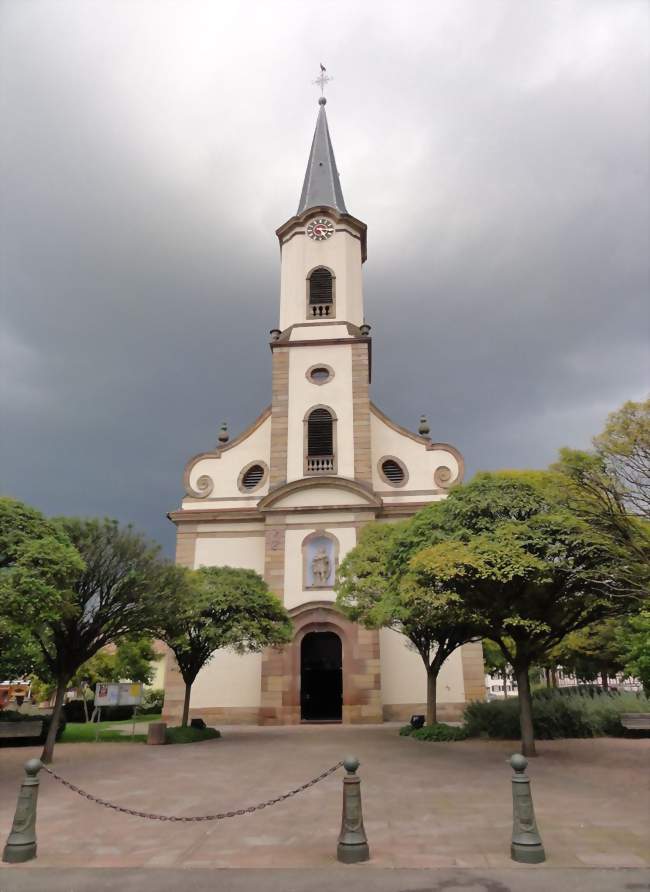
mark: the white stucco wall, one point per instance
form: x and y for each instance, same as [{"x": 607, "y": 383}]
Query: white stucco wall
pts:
[
  {"x": 229, "y": 680},
  {"x": 225, "y": 471},
  {"x": 335, "y": 394},
  {"x": 403, "y": 676},
  {"x": 420, "y": 462},
  {"x": 294, "y": 592},
  {"x": 247, "y": 552},
  {"x": 342, "y": 255}
]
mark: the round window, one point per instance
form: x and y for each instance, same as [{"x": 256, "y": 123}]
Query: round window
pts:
[
  {"x": 320, "y": 374},
  {"x": 393, "y": 472},
  {"x": 252, "y": 477}
]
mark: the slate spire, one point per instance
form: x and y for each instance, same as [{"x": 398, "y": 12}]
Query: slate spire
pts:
[{"x": 322, "y": 185}]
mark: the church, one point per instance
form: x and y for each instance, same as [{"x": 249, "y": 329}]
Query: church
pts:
[{"x": 288, "y": 496}]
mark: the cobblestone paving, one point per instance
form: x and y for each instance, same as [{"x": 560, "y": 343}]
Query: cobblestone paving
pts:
[{"x": 425, "y": 805}]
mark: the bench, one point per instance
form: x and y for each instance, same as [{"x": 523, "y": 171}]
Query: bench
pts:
[
  {"x": 9, "y": 730},
  {"x": 636, "y": 721}
]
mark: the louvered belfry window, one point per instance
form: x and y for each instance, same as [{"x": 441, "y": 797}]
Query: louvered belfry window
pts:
[
  {"x": 320, "y": 286},
  {"x": 393, "y": 471},
  {"x": 320, "y": 440},
  {"x": 252, "y": 477}
]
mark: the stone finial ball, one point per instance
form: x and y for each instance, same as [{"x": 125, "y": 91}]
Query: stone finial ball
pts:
[
  {"x": 322, "y": 100},
  {"x": 33, "y": 766},
  {"x": 351, "y": 763},
  {"x": 518, "y": 762}
]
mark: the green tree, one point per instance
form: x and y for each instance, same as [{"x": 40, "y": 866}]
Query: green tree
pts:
[
  {"x": 634, "y": 639},
  {"x": 609, "y": 488},
  {"x": 521, "y": 563},
  {"x": 20, "y": 655},
  {"x": 380, "y": 585},
  {"x": 592, "y": 652},
  {"x": 80, "y": 597},
  {"x": 213, "y": 608}
]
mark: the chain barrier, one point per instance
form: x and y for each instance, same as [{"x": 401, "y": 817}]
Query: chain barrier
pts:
[{"x": 217, "y": 817}]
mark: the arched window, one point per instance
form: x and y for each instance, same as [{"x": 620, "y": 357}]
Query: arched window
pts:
[
  {"x": 320, "y": 441},
  {"x": 320, "y": 294}
]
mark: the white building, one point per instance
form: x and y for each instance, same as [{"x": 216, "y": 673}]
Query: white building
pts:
[{"x": 288, "y": 496}]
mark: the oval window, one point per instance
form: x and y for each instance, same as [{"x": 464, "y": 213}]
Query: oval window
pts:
[
  {"x": 253, "y": 477},
  {"x": 393, "y": 471},
  {"x": 319, "y": 374}
]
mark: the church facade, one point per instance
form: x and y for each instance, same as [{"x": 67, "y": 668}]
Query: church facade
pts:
[{"x": 288, "y": 496}]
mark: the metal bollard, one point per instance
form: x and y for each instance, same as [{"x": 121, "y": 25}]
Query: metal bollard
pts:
[
  {"x": 353, "y": 842},
  {"x": 527, "y": 846},
  {"x": 21, "y": 842}
]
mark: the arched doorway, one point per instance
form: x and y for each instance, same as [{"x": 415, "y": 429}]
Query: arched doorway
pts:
[{"x": 321, "y": 677}]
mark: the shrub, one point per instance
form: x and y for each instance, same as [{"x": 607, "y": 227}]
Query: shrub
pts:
[
  {"x": 556, "y": 714},
  {"x": 152, "y": 702},
  {"x": 46, "y": 718},
  {"x": 190, "y": 735},
  {"x": 438, "y": 732}
]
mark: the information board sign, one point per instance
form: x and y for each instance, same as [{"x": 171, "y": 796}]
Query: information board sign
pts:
[
  {"x": 118, "y": 694},
  {"x": 107, "y": 694},
  {"x": 130, "y": 694}
]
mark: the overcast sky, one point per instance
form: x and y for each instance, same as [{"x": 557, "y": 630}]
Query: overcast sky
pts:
[{"x": 498, "y": 152}]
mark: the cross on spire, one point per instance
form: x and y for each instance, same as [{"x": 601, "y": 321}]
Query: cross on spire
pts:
[{"x": 323, "y": 79}]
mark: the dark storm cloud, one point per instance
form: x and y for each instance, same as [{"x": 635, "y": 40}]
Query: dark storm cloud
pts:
[{"x": 498, "y": 153}]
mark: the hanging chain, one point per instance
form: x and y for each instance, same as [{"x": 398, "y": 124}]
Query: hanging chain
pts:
[{"x": 218, "y": 817}]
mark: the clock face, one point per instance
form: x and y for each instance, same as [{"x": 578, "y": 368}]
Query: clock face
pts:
[{"x": 320, "y": 228}]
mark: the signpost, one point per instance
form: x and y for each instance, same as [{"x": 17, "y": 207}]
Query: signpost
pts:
[{"x": 117, "y": 694}]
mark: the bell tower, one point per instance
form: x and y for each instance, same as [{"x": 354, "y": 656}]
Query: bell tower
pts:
[
  {"x": 323, "y": 246},
  {"x": 320, "y": 422}
]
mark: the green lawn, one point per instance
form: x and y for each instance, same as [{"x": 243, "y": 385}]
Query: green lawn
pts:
[{"x": 82, "y": 732}]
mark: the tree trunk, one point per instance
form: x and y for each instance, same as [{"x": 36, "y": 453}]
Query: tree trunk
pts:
[
  {"x": 604, "y": 680},
  {"x": 48, "y": 749},
  {"x": 432, "y": 714},
  {"x": 505, "y": 684},
  {"x": 186, "y": 704},
  {"x": 525, "y": 712},
  {"x": 547, "y": 673},
  {"x": 554, "y": 677}
]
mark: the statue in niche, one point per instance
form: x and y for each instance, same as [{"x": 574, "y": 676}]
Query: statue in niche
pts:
[{"x": 321, "y": 567}]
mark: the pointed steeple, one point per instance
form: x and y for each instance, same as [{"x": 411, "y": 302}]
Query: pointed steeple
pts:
[{"x": 322, "y": 185}]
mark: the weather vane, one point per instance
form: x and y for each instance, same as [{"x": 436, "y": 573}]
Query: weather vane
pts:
[{"x": 322, "y": 79}]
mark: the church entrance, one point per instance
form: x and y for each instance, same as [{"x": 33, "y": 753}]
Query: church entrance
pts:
[{"x": 321, "y": 677}]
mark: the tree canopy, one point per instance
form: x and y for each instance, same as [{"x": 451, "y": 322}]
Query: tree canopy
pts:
[{"x": 217, "y": 607}]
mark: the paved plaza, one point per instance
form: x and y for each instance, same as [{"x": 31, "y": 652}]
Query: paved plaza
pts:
[{"x": 443, "y": 806}]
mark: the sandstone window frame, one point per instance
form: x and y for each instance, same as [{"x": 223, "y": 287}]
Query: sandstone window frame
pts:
[
  {"x": 400, "y": 464},
  {"x": 315, "y": 367},
  {"x": 252, "y": 489},
  {"x": 311, "y": 304},
  {"x": 305, "y": 438}
]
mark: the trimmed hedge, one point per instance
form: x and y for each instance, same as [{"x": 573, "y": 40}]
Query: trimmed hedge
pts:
[
  {"x": 438, "y": 732},
  {"x": 10, "y": 715},
  {"x": 556, "y": 714}
]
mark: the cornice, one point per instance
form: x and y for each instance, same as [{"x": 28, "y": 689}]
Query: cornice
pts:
[
  {"x": 301, "y": 220},
  {"x": 267, "y": 502}
]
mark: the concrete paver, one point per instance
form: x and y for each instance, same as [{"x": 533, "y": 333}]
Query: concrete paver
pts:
[{"x": 425, "y": 805}]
